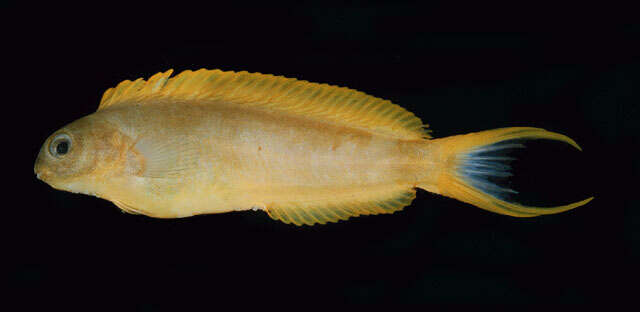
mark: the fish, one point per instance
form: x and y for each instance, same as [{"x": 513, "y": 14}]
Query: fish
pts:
[{"x": 212, "y": 141}]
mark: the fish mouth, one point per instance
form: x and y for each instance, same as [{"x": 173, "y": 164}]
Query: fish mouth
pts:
[
  {"x": 42, "y": 174},
  {"x": 38, "y": 169},
  {"x": 46, "y": 178},
  {"x": 38, "y": 173}
]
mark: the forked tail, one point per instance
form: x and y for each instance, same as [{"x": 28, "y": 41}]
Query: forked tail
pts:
[{"x": 469, "y": 163}]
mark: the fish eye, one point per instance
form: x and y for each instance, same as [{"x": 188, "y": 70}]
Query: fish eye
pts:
[{"x": 60, "y": 145}]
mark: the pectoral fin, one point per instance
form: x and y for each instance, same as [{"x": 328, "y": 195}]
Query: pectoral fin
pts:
[
  {"x": 167, "y": 158},
  {"x": 127, "y": 208}
]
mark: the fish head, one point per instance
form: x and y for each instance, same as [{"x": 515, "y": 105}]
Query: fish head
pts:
[{"x": 80, "y": 156}]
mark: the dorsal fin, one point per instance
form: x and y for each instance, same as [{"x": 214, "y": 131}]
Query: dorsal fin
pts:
[{"x": 276, "y": 93}]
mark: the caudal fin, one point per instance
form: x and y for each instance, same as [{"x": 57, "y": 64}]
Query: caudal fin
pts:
[{"x": 471, "y": 162}]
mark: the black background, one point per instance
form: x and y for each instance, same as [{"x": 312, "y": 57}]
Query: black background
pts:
[{"x": 460, "y": 68}]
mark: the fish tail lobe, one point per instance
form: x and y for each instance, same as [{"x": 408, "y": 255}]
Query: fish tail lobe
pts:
[{"x": 466, "y": 167}]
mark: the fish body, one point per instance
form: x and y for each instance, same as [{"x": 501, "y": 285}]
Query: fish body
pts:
[{"x": 210, "y": 142}]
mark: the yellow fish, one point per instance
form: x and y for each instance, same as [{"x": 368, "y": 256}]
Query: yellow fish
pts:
[{"x": 210, "y": 141}]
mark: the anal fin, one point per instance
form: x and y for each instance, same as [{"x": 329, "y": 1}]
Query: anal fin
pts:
[{"x": 313, "y": 212}]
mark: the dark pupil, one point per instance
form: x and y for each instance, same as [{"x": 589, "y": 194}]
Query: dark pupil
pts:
[{"x": 62, "y": 148}]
